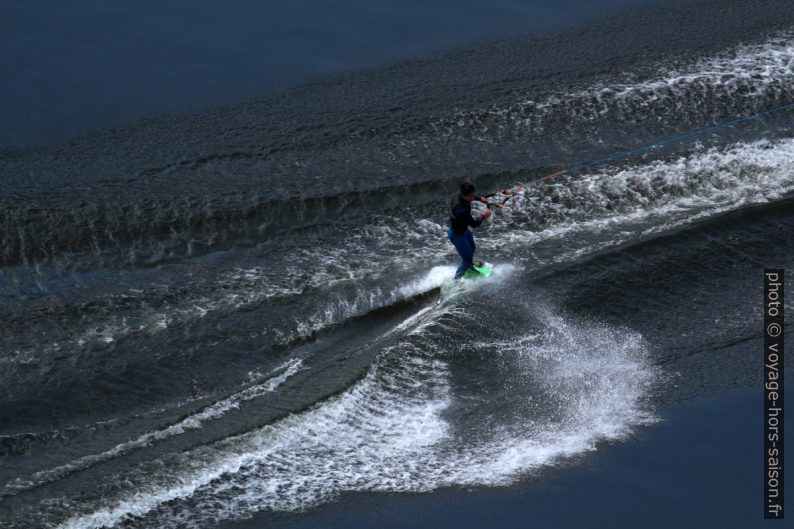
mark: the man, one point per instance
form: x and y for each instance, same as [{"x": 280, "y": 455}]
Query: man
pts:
[{"x": 459, "y": 221}]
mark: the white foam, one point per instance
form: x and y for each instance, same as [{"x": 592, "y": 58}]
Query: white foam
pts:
[
  {"x": 389, "y": 433},
  {"x": 366, "y": 300},
  {"x": 747, "y": 75},
  {"x": 368, "y": 251},
  {"x": 640, "y": 200},
  {"x": 432, "y": 280}
]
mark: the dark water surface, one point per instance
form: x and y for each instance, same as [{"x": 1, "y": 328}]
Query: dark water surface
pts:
[
  {"x": 91, "y": 63},
  {"x": 236, "y": 313}
]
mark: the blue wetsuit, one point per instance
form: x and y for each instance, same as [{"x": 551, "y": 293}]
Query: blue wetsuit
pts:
[{"x": 459, "y": 233}]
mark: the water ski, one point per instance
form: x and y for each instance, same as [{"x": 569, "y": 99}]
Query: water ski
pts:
[{"x": 478, "y": 269}]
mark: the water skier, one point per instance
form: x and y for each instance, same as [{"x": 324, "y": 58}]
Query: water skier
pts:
[{"x": 460, "y": 220}]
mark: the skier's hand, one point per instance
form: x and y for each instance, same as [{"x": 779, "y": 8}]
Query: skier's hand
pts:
[{"x": 486, "y": 213}]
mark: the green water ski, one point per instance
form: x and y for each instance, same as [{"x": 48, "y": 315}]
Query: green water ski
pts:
[{"x": 483, "y": 270}]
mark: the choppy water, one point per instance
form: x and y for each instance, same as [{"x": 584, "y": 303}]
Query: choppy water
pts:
[{"x": 236, "y": 312}]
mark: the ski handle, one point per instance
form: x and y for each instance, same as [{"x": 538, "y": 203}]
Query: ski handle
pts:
[{"x": 509, "y": 193}]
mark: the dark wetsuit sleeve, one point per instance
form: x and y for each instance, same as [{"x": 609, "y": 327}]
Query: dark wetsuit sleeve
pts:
[{"x": 471, "y": 221}]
